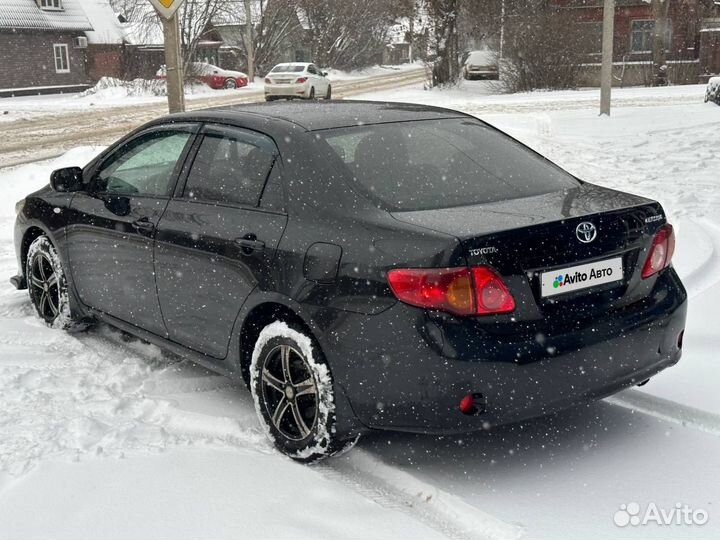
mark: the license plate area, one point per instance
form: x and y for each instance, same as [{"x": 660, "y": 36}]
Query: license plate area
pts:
[{"x": 583, "y": 276}]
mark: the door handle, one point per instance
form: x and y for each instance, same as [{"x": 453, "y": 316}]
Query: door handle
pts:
[
  {"x": 249, "y": 244},
  {"x": 143, "y": 225}
]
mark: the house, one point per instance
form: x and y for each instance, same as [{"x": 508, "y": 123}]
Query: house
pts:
[
  {"x": 42, "y": 46},
  {"x": 106, "y": 41},
  {"x": 633, "y": 39},
  {"x": 285, "y": 32}
]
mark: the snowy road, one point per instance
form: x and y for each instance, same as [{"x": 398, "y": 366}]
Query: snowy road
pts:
[
  {"x": 110, "y": 437},
  {"x": 45, "y": 126}
]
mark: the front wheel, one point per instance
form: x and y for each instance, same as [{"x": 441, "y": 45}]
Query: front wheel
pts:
[
  {"x": 47, "y": 286},
  {"x": 230, "y": 84},
  {"x": 293, "y": 392}
]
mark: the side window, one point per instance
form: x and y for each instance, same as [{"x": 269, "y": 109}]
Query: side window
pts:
[
  {"x": 145, "y": 166},
  {"x": 311, "y": 69},
  {"x": 230, "y": 167}
]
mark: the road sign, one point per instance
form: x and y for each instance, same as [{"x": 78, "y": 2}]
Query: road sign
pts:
[{"x": 166, "y": 8}]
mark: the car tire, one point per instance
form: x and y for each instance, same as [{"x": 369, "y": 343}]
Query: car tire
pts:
[
  {"x": 293, "y": 391},
  {"x": 328, "y": 94},
  {"x": 230, "y": 84},
  {"x": 269, "y": 98},
  {"x": 47, "y": 286},
  {"x": 312, "y": 93}
]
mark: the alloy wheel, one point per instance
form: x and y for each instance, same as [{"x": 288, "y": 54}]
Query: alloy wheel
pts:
[
  {"x": 289, "y": 392},
  {"x": 45, "y": 288}
]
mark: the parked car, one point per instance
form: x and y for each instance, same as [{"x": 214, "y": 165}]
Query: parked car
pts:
[
  {"x": 214, "y": 76},
  {"x": 712, "y": 93},
  {"x": 297, "y": 80},
  {"x": 480, "y": 65},
  {"x": 360, "y": 266}
]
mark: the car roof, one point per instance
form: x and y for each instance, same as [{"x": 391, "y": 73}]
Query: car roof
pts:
[{"x": 315, "y": 115}]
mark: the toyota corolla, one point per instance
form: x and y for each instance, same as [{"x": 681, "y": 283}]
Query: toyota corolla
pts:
[{"x": 361, "y": 266}]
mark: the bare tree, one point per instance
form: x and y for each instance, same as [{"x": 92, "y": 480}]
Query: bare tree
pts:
[
  {"x": 195, "y": 17},
  {"x": 544, "y": 49},
  {"x": 348, "y": 33},
  {"x": 444, "y": 15}
]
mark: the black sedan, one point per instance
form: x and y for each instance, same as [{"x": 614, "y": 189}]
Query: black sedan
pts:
[{"x": 360, "y": 266}]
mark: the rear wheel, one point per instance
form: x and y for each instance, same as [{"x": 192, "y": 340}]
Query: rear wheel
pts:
[
  {"x": 328, "y": 94},
  {"x": 293, "y": 392},
  {"x": 230, "y": 84},
  {"x": 269, "y": 98},
  {"x": 47, "y": 286},
  {"x": 312, "y": 93}
]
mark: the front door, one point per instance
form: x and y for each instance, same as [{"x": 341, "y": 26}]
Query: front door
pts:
[
  {"x": 112, "y": 226},
  {"x": 216, "y": 241}
]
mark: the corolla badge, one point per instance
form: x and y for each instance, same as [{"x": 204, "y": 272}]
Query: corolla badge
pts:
[{"x": 586, "y": 232}]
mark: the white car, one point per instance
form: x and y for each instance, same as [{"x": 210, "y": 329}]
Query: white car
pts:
[
  {"x": 300, "y": 80},
  {"x": 480, "y": 65}
]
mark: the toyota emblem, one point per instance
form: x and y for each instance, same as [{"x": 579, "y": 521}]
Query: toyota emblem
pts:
[{"x": 586, "y": 232}]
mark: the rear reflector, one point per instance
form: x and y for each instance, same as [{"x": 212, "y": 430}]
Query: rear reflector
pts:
[
  {"x": 661, "y": 251},
  {"x": 461, "y": 291}
]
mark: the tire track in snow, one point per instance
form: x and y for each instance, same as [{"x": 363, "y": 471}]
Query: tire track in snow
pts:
[
  {"x": 707, "y": 275},
  {"x": 667, "y": 410},
  {"x": 399, "y": 490}
]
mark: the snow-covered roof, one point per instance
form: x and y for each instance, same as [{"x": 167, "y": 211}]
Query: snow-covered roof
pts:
[
  {"x": 107, "y": 29},
  {"x": 25, "y": 14}
]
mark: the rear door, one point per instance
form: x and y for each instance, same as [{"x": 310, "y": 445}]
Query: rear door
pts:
[
  {"x": 319, "y": 82},
  {"x": 216, "y": 242},
  {"x": 111, "y": 225}
]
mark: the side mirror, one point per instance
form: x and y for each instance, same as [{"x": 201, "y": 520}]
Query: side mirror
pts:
[{"x": 67, "y": 180}]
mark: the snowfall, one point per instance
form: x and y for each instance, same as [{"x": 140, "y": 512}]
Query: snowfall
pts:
[{"x": 104, "y": 436}]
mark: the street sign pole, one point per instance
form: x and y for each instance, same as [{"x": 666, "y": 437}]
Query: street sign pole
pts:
[
  {"x": 607, "y": 56},
  {"x": 168, "y": 10},
  {"x": 173, "y": 63}
]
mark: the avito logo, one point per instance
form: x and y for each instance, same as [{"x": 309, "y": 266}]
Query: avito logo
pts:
[{"x": 579, "y": 277}]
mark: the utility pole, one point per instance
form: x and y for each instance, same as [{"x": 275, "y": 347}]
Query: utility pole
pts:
[
  {"x": 173, "y": 64},
  {"x": 249, "y": 44},
  {"x": 502, "y": 36},
  {"x": 168, "y": 11},
  {"x": 607, "y": 56}
]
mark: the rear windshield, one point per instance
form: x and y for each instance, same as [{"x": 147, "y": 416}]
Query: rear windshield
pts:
[
  {"x": 440, "y": 164},
  {"x": 288, "y": 68}
]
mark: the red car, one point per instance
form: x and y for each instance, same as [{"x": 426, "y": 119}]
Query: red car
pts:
[{"x": 214, "y": 76}]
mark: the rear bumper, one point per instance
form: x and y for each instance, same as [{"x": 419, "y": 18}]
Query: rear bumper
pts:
[
  {"x": 405, "y": 371},
  {"x": 287, "y": 90}
]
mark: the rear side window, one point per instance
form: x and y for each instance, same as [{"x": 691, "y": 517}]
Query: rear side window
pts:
[
  {"x": 440, "y": 164},
  {"x": 231, "y": 166}
]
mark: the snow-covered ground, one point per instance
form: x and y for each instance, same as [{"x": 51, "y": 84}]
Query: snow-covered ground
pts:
[{"x": 107, "y": 437}]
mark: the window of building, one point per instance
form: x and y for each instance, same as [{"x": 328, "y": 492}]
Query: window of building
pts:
[
  {"x": 62, "y": 60},
  {"x": 642, "y": 36},
  {"x": 51, "y": 4}
]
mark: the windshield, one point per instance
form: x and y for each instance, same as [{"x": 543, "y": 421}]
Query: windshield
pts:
[
  {"x": 288, "y": 68},
  {"x": 440, "y": 164}
]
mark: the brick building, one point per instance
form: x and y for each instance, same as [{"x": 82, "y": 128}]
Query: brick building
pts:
[
  {"x": 692, "y": 52},
  {"x": 43, "y": 44}
]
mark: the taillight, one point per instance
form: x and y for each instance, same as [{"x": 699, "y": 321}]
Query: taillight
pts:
[
  {"x": 301, "y": 80},
  {"x": 661, "y": 251},
  {"x": 268, "y": 80},
  {"x": 461, "y": 291}
]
